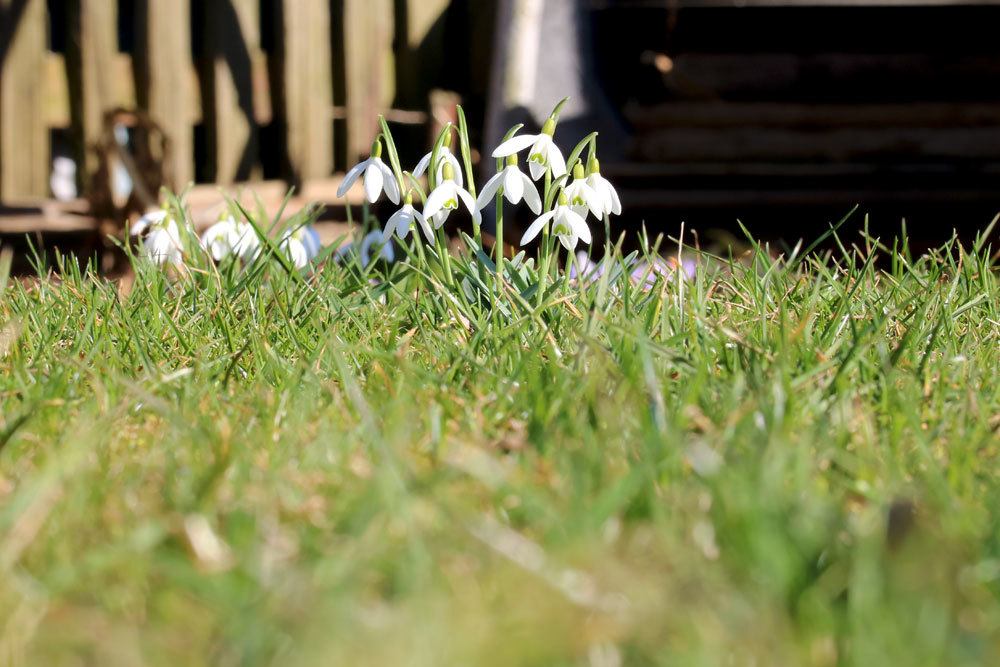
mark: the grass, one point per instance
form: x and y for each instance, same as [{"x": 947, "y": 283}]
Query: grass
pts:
[{"x": 786, "y": 460}]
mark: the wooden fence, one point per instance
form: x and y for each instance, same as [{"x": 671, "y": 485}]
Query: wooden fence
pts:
[{"x": 229, "y": 67}]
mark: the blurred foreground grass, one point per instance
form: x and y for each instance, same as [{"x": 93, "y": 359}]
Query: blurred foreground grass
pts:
[{"x": 778, "y": 462}]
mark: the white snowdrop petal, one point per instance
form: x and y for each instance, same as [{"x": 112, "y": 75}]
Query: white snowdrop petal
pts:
[
  {"x": 373, "y": 182},
  {"x": 515, "y": 144},
  {"x": 489, "y": 190},
  {"x": 351, "y": 176}
]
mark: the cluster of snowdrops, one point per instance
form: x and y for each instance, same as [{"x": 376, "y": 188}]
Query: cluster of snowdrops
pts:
[{"x": 563, "y": 192}]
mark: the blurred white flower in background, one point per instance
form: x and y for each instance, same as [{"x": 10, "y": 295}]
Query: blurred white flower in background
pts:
[
  {"x": 374, "y": 241},
  {"x": 231, "y": 237},
  {"x": 162, "y": 241},
  {"x": 300, "y": 245}
]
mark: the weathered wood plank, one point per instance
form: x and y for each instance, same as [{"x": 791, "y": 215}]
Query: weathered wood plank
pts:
[
  {"x": 420, "y": 49},
  {"x": 889, "y": 144},
  {"x": 307, "y": 87},
  {"x": 817, "y": 116},
  {"x": 90, "y": 60},
  {"x": 820, "y": 76},
  {"x": 24, "y": 138},
  {"x": 163, "y": 78},
  {"x": 369, "y": 69},
  {"x": 233, "y": 30}
]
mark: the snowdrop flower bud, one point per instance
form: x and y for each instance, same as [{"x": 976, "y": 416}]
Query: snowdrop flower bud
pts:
[
  {"x": 377, "y": 177},
  {"x": 516, "y": 185}
]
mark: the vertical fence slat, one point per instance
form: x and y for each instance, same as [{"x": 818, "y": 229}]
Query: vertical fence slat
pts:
[
  {"x": 307, "y": 81},
  {"x": 163, "y": 78},
  {"x": 91, "y": 51},
  {"x": 24, "y": 138},
  {"x": 369, "y": 69},
  {"x": 233, "y": 42}
]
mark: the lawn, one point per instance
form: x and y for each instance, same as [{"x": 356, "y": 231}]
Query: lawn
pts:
[{"x": 789, "y": 458}]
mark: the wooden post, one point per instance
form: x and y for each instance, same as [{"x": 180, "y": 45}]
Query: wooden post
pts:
[
  {"x": 232, "y": 42},
  {"x": 163, "y": 78},
  {"x": 369, "y": 69},
  {"x": 307, "y": 87},
  {"x": 90, "y": 68},
  {"x": 24, "y": 138}
]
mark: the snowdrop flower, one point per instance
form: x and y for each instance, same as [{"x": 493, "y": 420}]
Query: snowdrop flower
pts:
[
  {"x": 300, "y": 245},
  {"x": 444, "y": 157},
  {"x": 607, "y": 197},
  {"x": 363, "y": 249},
  {"x": 384, "y": 248},
  {"x": 377, "y": 176},
  {"x": 544, "y": 152},
  {"x": 147, "y": 221},
  {"x": 229, "y": 237},
  {"x": 162, "y": 243},
  {"x": 567, "y": 225},
  {"x": 402, "y": 220},
  {"x": 516, "y": 185},
  {"x": 445, "y": 197},
  {"x": 582, "y": 197}
]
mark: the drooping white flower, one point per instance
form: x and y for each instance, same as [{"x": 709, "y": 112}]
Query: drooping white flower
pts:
[
  {"x": 373, "y": 240},
  {"x": 300, "y": 245},
  {"x": 377, "y": 177},
  {"x": 162, "y": 243},
  {"x": 362, "y": 249},
  {"x": 581, "y": 196},
  {"x": 231, "y": 237},
  {"x": 399, "y": 223},
  {"x": 145, "y": 222},
  {"x": 607, "y": 196},
  {"x": 567, "y": 225},
  {"x": 516, "y": 185},
  {"x": 543, "y": 154},
  {"x": 445, "y": 156},
  {"x": 445, "y": 198}
]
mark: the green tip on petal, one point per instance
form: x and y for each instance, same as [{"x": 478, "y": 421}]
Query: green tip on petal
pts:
[
  {"x": 511, "y": 160},
  {"x": 549, "y": 127},
  {"x": 377, "y": 147}
]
